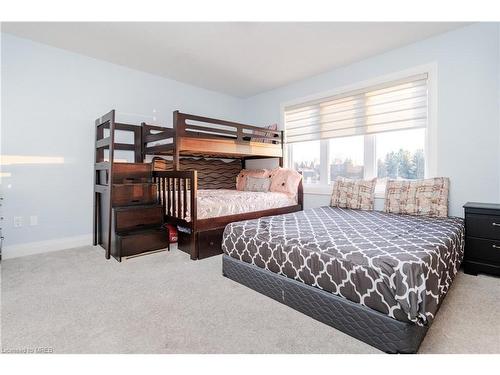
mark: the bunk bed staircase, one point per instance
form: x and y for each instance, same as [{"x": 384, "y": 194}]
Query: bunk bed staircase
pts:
[{"x": 128, "y": 218}]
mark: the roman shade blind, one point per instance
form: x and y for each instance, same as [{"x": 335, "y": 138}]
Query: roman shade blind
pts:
[{"x": 390, "y": 106}]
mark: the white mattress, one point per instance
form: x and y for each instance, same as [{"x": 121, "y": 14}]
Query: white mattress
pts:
[{"x": 223, "y": 202}]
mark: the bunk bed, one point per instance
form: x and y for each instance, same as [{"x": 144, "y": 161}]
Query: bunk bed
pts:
[{"x": 187, "y": 166}]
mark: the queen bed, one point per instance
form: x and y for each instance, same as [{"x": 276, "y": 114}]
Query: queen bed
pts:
[{"x": 379, "y": 277}]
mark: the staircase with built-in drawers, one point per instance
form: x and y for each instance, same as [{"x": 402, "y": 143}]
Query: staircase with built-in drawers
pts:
[{"x": 128, "y": 221}]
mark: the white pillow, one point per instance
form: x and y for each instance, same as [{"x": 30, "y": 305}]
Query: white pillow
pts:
[{"x": 260, "y": 184}]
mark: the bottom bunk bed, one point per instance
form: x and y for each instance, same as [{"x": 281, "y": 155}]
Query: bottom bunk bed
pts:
[
  {"x": 378, "y": 277},
  {"x": 201, "y": 200},
  {"x": 217, "y": 208}
]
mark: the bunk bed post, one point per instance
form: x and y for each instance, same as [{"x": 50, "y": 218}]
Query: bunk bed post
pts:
[
  {"x": 175, "y": 153},
  {"x": 98, "y": 158},
  {"x": 110, "y": 179},
  {"x": 143, "y": 140},
  {"x": 138, "y": 155},
  {"x": 194, "y": 210},
  {"x": 282, "y": 148},
  {"x": 103, "y": 190},
  {"x": 300, "y": 194}
]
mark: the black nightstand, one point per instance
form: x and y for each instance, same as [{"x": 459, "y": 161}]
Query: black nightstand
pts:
[{"x": 482, "y": 238}]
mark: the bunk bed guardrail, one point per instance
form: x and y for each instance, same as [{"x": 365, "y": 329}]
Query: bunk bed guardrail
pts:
[
  {"x": 193, "y": 126},
  {"x": 203, "y": 127},
  {"x": 177, "y": 191}
]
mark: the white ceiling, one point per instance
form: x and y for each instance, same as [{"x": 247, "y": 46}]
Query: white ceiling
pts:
[{"x": 239, "y": 59}]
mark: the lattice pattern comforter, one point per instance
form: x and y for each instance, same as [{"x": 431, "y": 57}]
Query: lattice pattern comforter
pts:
[{"x": 399, "y": 265}]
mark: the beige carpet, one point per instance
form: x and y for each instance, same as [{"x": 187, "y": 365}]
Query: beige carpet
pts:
[{"x": 74, "y": 301}]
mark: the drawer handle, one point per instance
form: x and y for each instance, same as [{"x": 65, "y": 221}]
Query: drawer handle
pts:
[
  {"x": 495, "y": 246},
  {"x": 496, "y": 224}
]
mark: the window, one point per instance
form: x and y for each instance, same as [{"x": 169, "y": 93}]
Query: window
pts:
[
  {"x": 378, "y": 131},
  {"x": 346, "y": 157},
  {"x": 401, "y": 154},
  {"x": 306, "y": 159}
]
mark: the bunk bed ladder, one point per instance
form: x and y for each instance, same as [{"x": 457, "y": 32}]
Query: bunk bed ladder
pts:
[{"x": 103, "y": 186}]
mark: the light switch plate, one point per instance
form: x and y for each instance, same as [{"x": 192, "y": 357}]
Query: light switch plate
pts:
[
  {"x": 33, "y": 220},
  {"x": 18, "y": 221}
]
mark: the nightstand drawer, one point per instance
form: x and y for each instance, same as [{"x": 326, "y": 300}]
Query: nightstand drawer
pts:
[
  {"x": 483, "y": 250},
  {"x": 483, "y": 226}
]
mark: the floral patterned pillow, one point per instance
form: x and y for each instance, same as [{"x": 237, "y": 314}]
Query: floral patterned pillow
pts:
[
  {"x": 356, "y": 194},
  {"x": 284, "y": 180},
  {"x": 427, "y": 197},
  {"x": 241, "y": 179}
]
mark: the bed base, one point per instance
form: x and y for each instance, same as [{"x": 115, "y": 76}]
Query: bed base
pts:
[{"x": 358, "y": 321}]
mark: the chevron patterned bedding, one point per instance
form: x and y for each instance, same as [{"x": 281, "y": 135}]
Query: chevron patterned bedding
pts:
[{"x": 399, "y": 265}]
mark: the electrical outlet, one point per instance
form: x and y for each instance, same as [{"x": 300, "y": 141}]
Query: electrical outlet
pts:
[
  {"x": 33, "y": 220},
  {"x": 18, "y": 221}
]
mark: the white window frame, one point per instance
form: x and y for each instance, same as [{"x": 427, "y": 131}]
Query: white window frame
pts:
[{"x": 430, "y": 147}]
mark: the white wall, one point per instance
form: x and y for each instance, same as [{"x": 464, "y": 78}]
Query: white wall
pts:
[
  {"x": 50, "y": 99},
  {"x": 467, "y": 105}
]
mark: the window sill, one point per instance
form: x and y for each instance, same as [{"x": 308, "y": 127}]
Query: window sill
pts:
[
  {"x": 327, "y": 190},
  {"x": 318, "y": 189}
]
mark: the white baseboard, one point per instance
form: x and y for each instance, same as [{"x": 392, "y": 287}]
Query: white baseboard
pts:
[{"x": 30, "y": 248}]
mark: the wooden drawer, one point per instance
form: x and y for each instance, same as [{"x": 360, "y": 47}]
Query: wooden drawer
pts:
[
  {"x": 131, "y": 173},
  {"x": 133, "y": 194},
  {"x": 135, "y": 217},
  {"x": 484, "y": 250},
  {"x": 483, "y": 226},
  {"x": 209, "y": 243},
  {"x": 142, "y": 241}
]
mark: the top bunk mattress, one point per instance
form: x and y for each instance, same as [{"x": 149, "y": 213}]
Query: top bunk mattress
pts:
[{"x": 399, "y": 265}]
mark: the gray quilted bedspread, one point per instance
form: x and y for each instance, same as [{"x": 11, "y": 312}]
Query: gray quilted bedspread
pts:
[{"x": 399, "y": 265}]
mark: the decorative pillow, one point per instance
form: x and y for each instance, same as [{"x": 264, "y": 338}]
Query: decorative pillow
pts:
[
  {"x": 427, "y": 197},
  {"x": 266, "y": 134},
  {"x": 284, "y": 180},
  {"x": 241, "y": 179},
  {"x": 260, "y": 184},
  {"x": 356, "y": 194}
]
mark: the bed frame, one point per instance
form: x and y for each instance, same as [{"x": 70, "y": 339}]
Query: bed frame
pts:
[
  {"x": 193, "y": 135},
  {"x": 196, "y": 136},
  {"x": 365, "y": 324}
]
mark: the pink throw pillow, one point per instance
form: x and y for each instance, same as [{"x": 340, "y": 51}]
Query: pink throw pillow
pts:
[
  {"x": 241, "y": 179},
  {"x": 284, "y": 180}
]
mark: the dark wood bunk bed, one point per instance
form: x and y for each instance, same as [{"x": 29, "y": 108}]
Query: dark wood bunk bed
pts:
[{"x": 190, "y": 143}]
